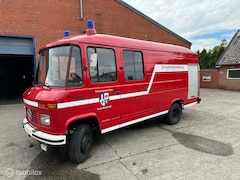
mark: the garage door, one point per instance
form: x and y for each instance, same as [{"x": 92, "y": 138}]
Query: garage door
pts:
[
  {"x": 17, "y": 63},
  {"x": 16, "y": 45}
]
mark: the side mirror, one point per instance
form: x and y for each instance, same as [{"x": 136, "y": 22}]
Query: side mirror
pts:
[{"x": 93, "y": 60}]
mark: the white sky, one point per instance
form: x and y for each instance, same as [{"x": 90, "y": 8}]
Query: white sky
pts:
[{"x": 202, "y": 22}]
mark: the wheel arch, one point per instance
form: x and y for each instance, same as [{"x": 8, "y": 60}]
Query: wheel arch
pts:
[
  {"x": 178, "y": 101},
  {"x": 90, "y": 119}
]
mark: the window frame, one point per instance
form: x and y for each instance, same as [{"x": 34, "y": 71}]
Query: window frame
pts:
[
  {"x": 53, "y": 66},
  {"x": 206, "y": 80},
  {"x": 237, "y": 69},
  {"x": 142, "y": 63},
  {"x": 115, "y": 62},
  {"x": 73, "y": 84}
]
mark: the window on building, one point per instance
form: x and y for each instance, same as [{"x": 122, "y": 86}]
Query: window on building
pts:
[
  {"x": 104, "y": 69},
  {"x": 133, "y": 65},
  {"x": 206, "y": 77},
  {"x": 233, "y": 74}
]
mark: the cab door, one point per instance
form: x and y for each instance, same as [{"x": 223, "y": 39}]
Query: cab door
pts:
[{"x": 103, "y": 86}]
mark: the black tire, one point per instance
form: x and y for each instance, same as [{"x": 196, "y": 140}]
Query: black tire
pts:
[
  {"x": 174, "y": 115},
  {"x": 81, "y": 143}
]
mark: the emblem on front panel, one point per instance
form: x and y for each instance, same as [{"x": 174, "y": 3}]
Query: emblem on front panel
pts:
[{"x": 104, "y": 99}]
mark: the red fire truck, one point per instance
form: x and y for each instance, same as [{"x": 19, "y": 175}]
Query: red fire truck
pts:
[{"x": 101, "y": 82}]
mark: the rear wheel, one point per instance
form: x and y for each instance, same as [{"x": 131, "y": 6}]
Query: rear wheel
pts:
[
  {"x": 174, "y": 115},
  {"x": 80, "y": 144}
]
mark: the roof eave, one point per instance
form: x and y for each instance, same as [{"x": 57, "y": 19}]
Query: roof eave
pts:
[
  {"x": 219, "y": 62},
  {"x": 232, "y": 64}
]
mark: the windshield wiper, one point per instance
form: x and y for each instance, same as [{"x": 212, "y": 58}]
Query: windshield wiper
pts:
[
  {"x": 47, "y": 85},
  {"x": 34, "y": 83}
]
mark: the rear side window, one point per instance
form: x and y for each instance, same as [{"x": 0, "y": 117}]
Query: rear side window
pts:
[
  {"x": 133, "y": 65},
  {"x": 102, "y": 63}
]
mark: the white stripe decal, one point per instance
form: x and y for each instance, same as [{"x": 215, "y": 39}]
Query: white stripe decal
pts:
[
  {"x": 190, "y": 104},
  {"x": 30, "y": 103},
  {"x": 171, "y": 67},
  {"x": 132, "y": 122},
  {"x": 135, "y": 94},
  {"x": 166, "y": 68},
  {"x": 72, "y": 104},
  {"x": 157, "y": 68},
  {"x": 115, "y": 97}
]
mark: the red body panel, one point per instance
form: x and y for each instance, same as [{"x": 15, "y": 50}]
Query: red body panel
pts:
[{"x": 126, "y": 101}]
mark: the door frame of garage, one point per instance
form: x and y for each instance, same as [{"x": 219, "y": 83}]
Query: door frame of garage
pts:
[{"x": 32, "y": 38}]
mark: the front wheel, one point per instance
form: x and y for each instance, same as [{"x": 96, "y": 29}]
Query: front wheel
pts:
[
  {"x": 174, "y": 115},
  {"x": 81, "y": 144}
]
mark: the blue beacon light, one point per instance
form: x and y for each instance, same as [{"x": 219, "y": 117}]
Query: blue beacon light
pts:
[
  {"x": 90, "y": 24},
  {"x": 90, "y": 27},
  {"x": 66, "y": 33}
]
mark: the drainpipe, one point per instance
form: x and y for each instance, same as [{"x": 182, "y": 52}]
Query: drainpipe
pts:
[{"x": 81, "y": 10}]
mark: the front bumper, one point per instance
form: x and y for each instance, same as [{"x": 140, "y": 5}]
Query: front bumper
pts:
[{"x": 42, "y": 136}]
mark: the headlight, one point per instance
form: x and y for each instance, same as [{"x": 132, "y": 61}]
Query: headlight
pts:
[{"x": 45, "y": 119}]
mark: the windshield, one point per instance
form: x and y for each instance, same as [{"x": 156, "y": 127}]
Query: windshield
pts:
[{"x": 60, "y": 66}]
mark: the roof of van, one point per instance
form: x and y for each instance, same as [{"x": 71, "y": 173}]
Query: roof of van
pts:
[{"x": 116, "y": 41}]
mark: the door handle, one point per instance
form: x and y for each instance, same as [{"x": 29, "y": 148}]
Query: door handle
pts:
[
  {"x": 116, "y": 92},
  {"x": 78, "y": 97},
  {"x": 143, "y": 89}
]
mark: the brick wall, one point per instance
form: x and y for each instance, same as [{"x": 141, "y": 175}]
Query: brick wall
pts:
[
  {"x": 209, "y": 78},
  {"x": 224, "y": 83},
  {"x": 113, "y": 18},
  {"x": 47, "y": 20}
]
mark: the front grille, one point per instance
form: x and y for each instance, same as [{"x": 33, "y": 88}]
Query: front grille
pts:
[{"x": 33, "y": 116}]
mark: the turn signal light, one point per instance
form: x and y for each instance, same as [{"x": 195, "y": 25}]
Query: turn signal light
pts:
[{"x": 51, "y": 106}]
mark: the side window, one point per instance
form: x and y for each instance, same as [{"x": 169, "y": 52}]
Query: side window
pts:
[
  {"x": 104, "y": 68},
  {"x": 75, "y": 77},
  {"x": 233, "y": 73},
  {"x": 133, "y": 65}
]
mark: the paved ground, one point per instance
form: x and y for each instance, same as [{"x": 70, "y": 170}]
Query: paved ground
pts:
[{"x": 204, "y": 145}]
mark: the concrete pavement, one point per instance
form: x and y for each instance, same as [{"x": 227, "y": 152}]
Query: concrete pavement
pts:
[{"x": 204, "y": 145}]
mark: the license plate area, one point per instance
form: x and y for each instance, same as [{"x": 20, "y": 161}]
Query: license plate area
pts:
[{"x": 44, "y": 147}]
